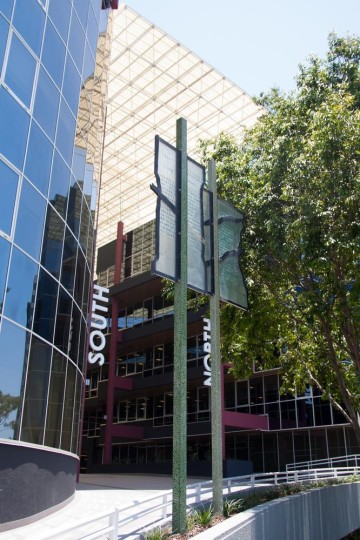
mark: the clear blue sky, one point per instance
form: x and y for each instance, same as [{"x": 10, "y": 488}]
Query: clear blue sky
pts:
[{"x": 257, "y": 44}]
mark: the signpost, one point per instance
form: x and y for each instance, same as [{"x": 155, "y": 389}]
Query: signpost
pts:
[{"x": 197, "y": 246}]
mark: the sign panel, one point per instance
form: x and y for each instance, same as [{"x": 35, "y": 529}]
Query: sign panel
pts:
[
  {"x": 232, "y": 285},
  {"x": 167, "y": 178},
  {"x": 196, "y": 267}
]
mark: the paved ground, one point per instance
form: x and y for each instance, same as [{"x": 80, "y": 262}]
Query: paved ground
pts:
[{"x": 95, "y": 494}]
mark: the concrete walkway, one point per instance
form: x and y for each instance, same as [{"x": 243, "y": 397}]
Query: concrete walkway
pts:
[{"x": 96, "y": 494}]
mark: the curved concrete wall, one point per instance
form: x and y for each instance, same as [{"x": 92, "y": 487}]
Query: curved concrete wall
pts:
[
  {"x": 33, "y": 480},
  {"x": 328, "y": 513}
]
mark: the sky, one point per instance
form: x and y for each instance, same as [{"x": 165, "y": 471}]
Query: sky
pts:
[{"x": 258, "y": 44}]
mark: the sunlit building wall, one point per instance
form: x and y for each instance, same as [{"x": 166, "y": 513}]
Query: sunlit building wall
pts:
[{"x": 52, "y": 88}]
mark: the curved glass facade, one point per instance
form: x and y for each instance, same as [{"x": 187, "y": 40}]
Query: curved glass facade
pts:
[{"x": 52, "y": 58}]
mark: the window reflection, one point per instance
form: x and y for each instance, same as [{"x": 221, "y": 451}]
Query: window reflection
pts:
[
  {"x": 69, "y": 261},
  {"x": 63, "y": 321},
  {"x": 76, "y": 41},
  {"x": 82, "y": 7},
  {"x": 71, "y": 85},
  {"x": 38, "y": 159},
  {"x": 4, "y": 28},
  {"x": 46, "y": 104},
  {"x": 31, "y": 216},
  {"x": 6, "y": 7},
  {"x": 20, "y": 71},
  {"x": 29, "y": 21},
  {"x": 60, "y": 15},
  {"x": 55, "y": 401},
  {"x": 21, "y": 288},
  {"x": 53, "y": 56},
  {"x": 14, "y": 127},
  {"x": 66, "y": 132},
  {"x": 68, "y": 407},
  {"x": 8, "y": 187},
  {"x": 59, "y": 186},
  {"x": 44, "y": 319},
  {"x": 14, "y": 344},
  {"x": 53, "y": 242},
  {"x": 74, "y": 210},
  {"x": 37, "y": 384},
  {"x": 4, "y": 261}
]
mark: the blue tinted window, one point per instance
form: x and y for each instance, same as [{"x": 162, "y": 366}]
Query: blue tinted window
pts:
[
  {"x": 46, "y": 104},
  {"x": 69, "y": 261},
  {"x": 29, "y": 22},
  {"x": 93, "y": 32},
  {"x": 74, "y": 210},
  {"x": 38, "y": 159},
  {"x": 76, "y": 41},
  {"x": 59, "y": 187},
  {"x": 55, "y": 401},
  {"x": 89, "y": 64},
  {"x": 82, "y": 8},
  {"x": 53, "y": 242},
  {"x": 14, "y": 127},
  {"x": 4, "y": 260},
  {"x": 6, "y": 7},
  {"x": 4, "y": 28},
  {"x": 13, "y": 345},
  {"x": 60, "y": 16},
  {"x": 46, "y": 299},
  {"x": 53, "y": 56},
  {"x": 30, "y": 220},
  {"x": 71, "y": 85},
  {"x": 66, "y": 132},
  {"x": 21, "y": 288},
  {"x": 63, "y": 321},
  {"x": 8, "y": 188},
  {"x": 37, "y": 384},
  {"x": 20, "y": 71}
]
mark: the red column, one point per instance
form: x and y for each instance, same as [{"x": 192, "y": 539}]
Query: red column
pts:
[{"x": 107, "y": 455}]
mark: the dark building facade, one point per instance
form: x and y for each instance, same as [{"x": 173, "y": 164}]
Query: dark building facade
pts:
[
  {"x": 52, "y": 58},
  {"x": 129, "y": 399}
]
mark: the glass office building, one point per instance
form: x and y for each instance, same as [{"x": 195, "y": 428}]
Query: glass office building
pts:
[{"x": 52, "y": 72}]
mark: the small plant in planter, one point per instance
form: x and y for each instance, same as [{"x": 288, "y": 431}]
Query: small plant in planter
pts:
[
  {"x": 232, "y": 506},
  {"x": 157, "y": 534}
]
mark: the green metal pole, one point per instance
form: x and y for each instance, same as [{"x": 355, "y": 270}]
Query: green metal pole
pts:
[
  {"x": 180, "y": 353},
  {"x": 216, "y": 416}
]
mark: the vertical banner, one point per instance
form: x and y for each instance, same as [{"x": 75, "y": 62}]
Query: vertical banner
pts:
[
  {"x": 165, "y": 263},
  {"x": 197, "y": 272}
]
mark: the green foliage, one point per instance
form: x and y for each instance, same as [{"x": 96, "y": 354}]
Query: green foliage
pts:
[
  {"x": 296, "y": 177},
  {"x": 203, "y": 516},
  {"x": 232, "y": 506},
  {"x": 157, "y": 534},
  {"x": 8, "y": 404}
]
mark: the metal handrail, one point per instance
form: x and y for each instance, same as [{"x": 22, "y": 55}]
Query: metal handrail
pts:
[
  {"x": 330, "y": 462},
  {"x": 156, "y": 511}
]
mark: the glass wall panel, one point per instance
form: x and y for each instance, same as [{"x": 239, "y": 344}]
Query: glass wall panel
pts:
[
  {"x": 53, "y": 56},
  {"x": 69, "y": 261},
  {"x": 53, "y": 242},
  {"x": 68, "y": 407},
  {"x": 60, "y": 16},
  {"x": 38, "y": 159},
  {"x": 21, "y": 288},
  {"x": 6, "y": 7},
  {"x": 20, "y": 71},
  {"x": 4, "y": 261},
  {"x": 74, "y": 210},
  {"x": 59, "y": 186},
  {"x": 79, "y": 280},
  {"x": 4, "y": 28},
  {"x": 63, "y": 321},
  {"x": 8, "y": 188},
  {"x": 55, "y": 401},
  {"x": 29, "y": 22},
  {"x": 82, "y": 8},
  {"x": 76, "y": 41},
  {"x": 46, "y": 104},
  {"x": 37, "y": 385},
  {"x": 66, "y": 132},
  {"x": 74, "y": 333},
  {"x": 77, "y": 413},
  {"x": 71, "y": 85},
  {"x": 14, "y": 344},
  {"x": 14, "y": 127},
  {"x": 44, "y": 319},
  {"x": 31, "y": 216}
]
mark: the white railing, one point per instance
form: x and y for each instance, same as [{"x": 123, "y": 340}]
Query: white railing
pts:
[
  {"x": 350, "y": 460},
  {"x": 132, "y": 520}
]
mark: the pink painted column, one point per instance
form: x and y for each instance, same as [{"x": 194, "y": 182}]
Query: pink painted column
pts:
[{"x": 107, "y": 455}]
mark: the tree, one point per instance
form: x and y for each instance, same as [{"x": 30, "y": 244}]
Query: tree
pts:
[
  {"x": 296, "y": 176},
  {"x": 8, "y": 404}
]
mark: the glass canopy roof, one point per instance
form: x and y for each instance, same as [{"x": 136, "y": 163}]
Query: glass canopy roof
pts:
[{"x": 153, "y": 81}]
